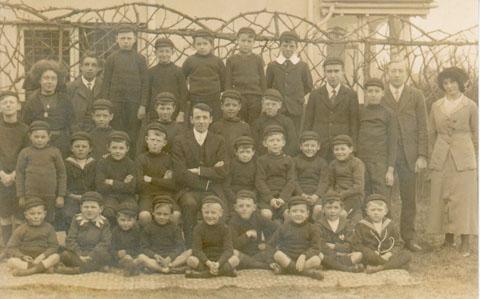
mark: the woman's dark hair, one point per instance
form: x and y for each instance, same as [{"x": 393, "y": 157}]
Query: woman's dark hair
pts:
[
  {"x": 454, "y": 73},
  {"x": 44, "y": 65}
]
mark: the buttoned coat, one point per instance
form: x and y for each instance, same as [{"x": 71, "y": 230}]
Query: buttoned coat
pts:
[{"x": 82, "y": 98}]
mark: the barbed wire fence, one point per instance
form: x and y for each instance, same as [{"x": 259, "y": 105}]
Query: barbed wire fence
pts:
[{"x": 64, "y": 34}]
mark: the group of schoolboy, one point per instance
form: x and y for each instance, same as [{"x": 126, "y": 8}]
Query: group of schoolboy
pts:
[{"x": 242, "y": 188}]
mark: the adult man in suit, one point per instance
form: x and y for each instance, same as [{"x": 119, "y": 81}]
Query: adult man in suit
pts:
[
  {"x": 199, "y": 166},
  {"x": 408, "y": 104},
  {"x": 84, "y": 90},
  {"x": 332, "y": 109}
]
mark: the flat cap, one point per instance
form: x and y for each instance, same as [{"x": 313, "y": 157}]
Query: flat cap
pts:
[
  {"x": 342, "y": 139},
  {"x": 375, "y": 197},
  {"x": 119, "y": 135},
  {"x": 243, "y": 140},
  {"x": 246, "y": 194},
  {"x": 162, "y": 199},
  {"x": 7, "y": 93},
  {"x": 157, "y": 127},
  {"x": 128, "y": 207},
  {"x": 204, "y": 33},
  {"x": 165, "y": 97},
  {"x": 374, "y": 82},
  {"x": 81, "y": 135},
  {"x": 102, "y": 104},
  {"x": 92, "y": 196},
  {"x": 272, "y": 129},
  {"x": 309, "y": 135},
  {"x": 39, "y": 125},
  {"x": 333, "y": 61},
  {"x": 126, "y": 28},
  {"x": 31, "y": 202},
  {"x": 246, "y": 30},
  {"x": 331, "y": 196},
  {"x": 164, "y": 42},
  {"x": 297, "y": 200},
  {"x": 288, "y": 36},
  {"x": 232, "y": 94},
  {"x": 273, "y": 94},
  {"x": 212, "y": 199}
]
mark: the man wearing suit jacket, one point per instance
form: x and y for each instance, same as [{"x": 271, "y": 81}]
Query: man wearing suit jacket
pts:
[
  {"x": 85, "y": 90},
  {"x": 332, "y": 109},
  {"x": 199, "y": 166},
  {"x": 408, "y": 104}
]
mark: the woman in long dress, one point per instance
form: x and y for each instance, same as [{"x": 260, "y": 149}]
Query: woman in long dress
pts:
[{"x": 453, "y": 137}]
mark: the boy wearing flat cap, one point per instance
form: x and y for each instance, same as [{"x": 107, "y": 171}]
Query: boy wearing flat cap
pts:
[
  {"x": 33, "y": 245},
  {"x": 297, "y": 243},
  {"x": 116, "y": 175},
  {"x": 40, "y": 170},
  {"x": 332, "y": 109},
  {"x": 251, "y": 232},
  {"x": 378, "y": 239},
  {"x": 81, "y": 169},
  {"x": 154, "y": 171},
  {"x": 346, "y": 176},
  {"x": 162, "y": 244},
  {"x": 243, "y": 169},
  {"x": 87, "y": 247},
  {"x": 205, "y": 73},
  {"x": 165, "y": 76},
  {"x": 230, "y": 126},
  {"x": 272, "y": 102},
  {"x": 377, "y": 140},
  {"x": 311, "y": 171},
  {"x": 245, "y": 73},
  {"x": 275, "y": 179},
  {"x": 212, "y": 250},
  {"x": 102, "y": 115},
  {"x": 291, "y": 76},
  {"x": 124, "y": 82}
]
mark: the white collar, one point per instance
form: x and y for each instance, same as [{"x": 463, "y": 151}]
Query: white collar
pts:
[
  {"x": 293, "y": 59},
  {"x": 330, "y": 89},
  {"x": 99, "y": 221},
  {"x": 86, "y": 82},
  {"x": 399, "y": 89},
  {"x": 334, "y": 224},
  {"x": 200, "y": 137},
  {"x": 79, "y": 164}
]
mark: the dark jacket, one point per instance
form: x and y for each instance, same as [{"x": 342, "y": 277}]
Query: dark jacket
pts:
[{"x": 82, "y": 98}]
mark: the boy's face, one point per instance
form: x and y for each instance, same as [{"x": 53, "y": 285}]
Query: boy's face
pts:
[
  {"x": 39, "y": 138},
  {"x": 374, "y": 95},
  {"x": 274, "y": 143},
  {"x": 270, "y": 107},
  {"x": 397, "y": 73},
  {"x": 342, "y": 151},
  {"x": 245, "y": 207},
  {"x": 298, "y": 213},
  {"x": 102, "y": 118},
  {"x": 155, "y": 140},
  {"x": 288, "y": 48},
  {"x": 165, "y": 111},
  {"x": 35, "y": 215},
  {"x": 202, "y": 45},
  {"x": 201, "y": 120},
  {"x": 164, "y": 54},
  {"x": 334, "y": 74},
  {"x": 48, "y": 82},
  {"x": 162, "y": 214},
  {"x": 230, "y": 108},
  {"x": 125, "y": 40},
  {"x": 245, "y": 43},
  {"x": 118, "y": 149},
  {"x": 90, "y": 210},
  {"x": 81, "y": 149},
  {"x": 310, "y": 147},
  {"x": 245, "y": 153},
  {"x": 125, "y": 222},
  {"x": 332, "y": 210},
  {"x": 212, "y": 212},
  {"x": 376, "y": 211},
  {"x": 89, "y": 68},
  {"x": 9, "y": 105}
]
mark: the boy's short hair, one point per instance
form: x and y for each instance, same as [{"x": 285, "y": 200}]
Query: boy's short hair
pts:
[
  {"x": 231, "y": 94},
  {"x": 287, "y": 36},
  {"x": 164, "y": 42},
  {"x": 155, "y": 126},
  {"x": 118, "y": 136},
  {"x": 273, "y": 129},
  {"x": 342, "y": 139},
  {"x": 309, "y": 135},
  {"x": 297, "y": 200},
  {"x": 39, "y": 125},
  {"x": 377, "y": 199},
  {"x": 246, "y": 30},
  {"x": 374, "y": 82},
  {"x": 102, "y": 104},
  {"x": 246, "y": 194},
  {"x": 92, "y": 196},
  {"x": 203, "y": 33},
  {"x": 273, "y": 94},
  {"x": 32, "y": 202},
  {"x": 81, "y": 135},
  {"x": 8, "y": 93},
  {"x": 127, "y": 208},
  {"x": 125, "y": 28},
  {"x": 165, "y": 98},
  {"x": 243, "y": 141},
  {"x": 89, "y": 54},
  {"x": 162, "y": 200},
  {"x": 333, "y": 61},
  {"x": 203, "y": 107},
  {"x": 212, "y": 199}
]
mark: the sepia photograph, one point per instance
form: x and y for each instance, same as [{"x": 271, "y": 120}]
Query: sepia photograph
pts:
[{"x": 239, "y": 149}]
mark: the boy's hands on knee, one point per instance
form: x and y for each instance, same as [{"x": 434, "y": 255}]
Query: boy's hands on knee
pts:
[
  {"x": 168, "y": 175},
  {"x": 147, "y": 179},
  {"x": 300, "y": 265},
  {"x": 121, "y": 253},
  {"x": 252, "y": 234},
  {"x": 276, "y": 203},
  {"x": 386, "y": 256},
  {"x": 109, "y": 182},
  {"x": 27, "y": 258},
  {"x": 85, "y": 258},
  {"x": 59, "y": 202},
  {"x": 213, "y": 267},
  {"x": 39, "y": 258},
  {"x": 128, "y": 179}
]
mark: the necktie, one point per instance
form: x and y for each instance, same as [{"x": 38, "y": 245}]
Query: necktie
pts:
[
  {"x": 89, "y": 85},
  {"x": 333, "y": 96},
  {"x": 397, "y": 95}
]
